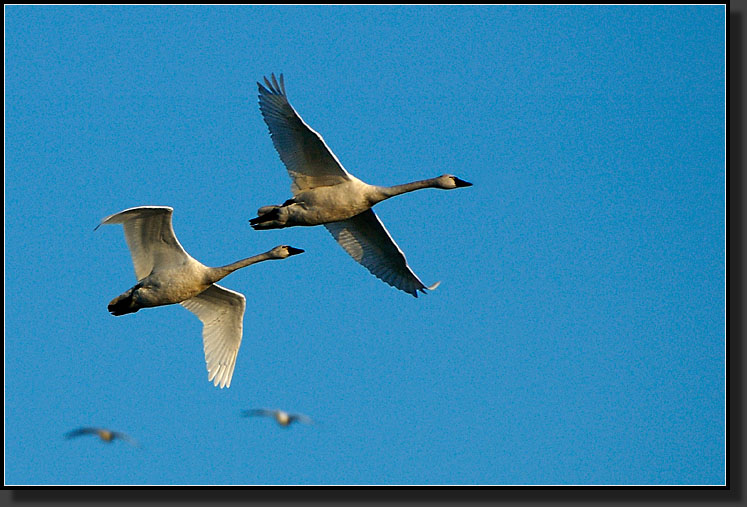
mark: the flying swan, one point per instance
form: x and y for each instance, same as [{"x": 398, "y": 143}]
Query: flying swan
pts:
[
  {"x": 105, "y": 435},
  {"x": 282, "y": 417},
  {"x": 167, "y": 274},
  {"x": 324, "y": 193}
]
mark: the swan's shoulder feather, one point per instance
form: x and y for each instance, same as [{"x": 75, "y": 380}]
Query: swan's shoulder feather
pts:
[
  {"x": 308, "y": 159},
  {"x": 366, "y": 239},
  {"x": 222, "y": 314},
  {"x": 150, "y": 238}
]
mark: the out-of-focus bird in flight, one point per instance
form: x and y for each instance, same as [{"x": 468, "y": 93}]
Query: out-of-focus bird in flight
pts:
[
  {"x": 282, "y": 417},
  {"x": 105, "y": 435}
]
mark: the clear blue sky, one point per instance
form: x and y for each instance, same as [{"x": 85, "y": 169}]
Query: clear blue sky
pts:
[{"x": 578, "y": 333}]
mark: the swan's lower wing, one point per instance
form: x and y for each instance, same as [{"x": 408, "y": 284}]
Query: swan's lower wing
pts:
[
  {"x": 367, "y": 241},
  {"x": 222, "y": 314},
  {"x": 309, "y": 161},
  {"x": 150, "y": 238}
]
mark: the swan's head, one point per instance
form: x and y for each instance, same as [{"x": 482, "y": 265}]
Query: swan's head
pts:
[
  {"x": 449, "y": 181},
  {"x": 284, "y": 251}
]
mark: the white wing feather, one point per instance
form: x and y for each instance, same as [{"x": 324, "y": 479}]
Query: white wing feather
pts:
[
  {"x": 150, "y": 238},
  {"x": 367, "y": 241},
  {"x": 308, "y": 159},
  {"x": 222, "y": 314}
]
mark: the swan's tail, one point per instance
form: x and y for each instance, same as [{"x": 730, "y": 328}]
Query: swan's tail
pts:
[
  {"x": 267, "y": 219},
  {"x": 123, "y": 304}
]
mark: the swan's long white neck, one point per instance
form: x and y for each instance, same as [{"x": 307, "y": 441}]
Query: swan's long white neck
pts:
[
  {"x": 382, "y": 193},
  {"x": 218, "y": 273}
]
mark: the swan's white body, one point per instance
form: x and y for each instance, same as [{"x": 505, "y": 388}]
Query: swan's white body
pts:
[
  {"x": 167, "y": 274},
  {"x": 324, "y": 193}
]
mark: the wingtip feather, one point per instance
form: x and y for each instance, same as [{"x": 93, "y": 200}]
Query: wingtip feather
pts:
[
  {"x": 273, "y": 85},
  {"x": 424, "y": 288},
  {"x": 434, "y": 286}
]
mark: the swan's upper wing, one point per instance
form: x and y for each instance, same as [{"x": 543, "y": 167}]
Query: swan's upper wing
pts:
[
  {"x": 150, "y": 237},
  {"x": 366, "y": 239},
  {"x": 222, "y": 314},
  {"x": 309, "y": 161}
]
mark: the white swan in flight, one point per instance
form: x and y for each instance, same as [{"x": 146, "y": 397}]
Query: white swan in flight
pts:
[
  {"x": 167, "y": 274},
  {"x": 282, "y": 417},
  {"x": 325, "y": 193}
]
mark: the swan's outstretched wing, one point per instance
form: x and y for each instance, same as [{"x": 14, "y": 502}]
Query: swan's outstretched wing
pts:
[
  {"x": 263, "y": 412},
  {"x": 82, "y": 431},
  {"x": 222, "y": 314},
  {"x": 124, "y": 436},
  {"x": 301, "y": 418},
  {"x": 150, "y": 237},
  {"x": 309, "y": 161},
  {"x": 367, "y": 241}
]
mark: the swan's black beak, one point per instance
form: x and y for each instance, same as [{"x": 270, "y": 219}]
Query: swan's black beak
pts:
[
  {"x": 295, "y": 251},
  {"x": 462, "y": 183}
]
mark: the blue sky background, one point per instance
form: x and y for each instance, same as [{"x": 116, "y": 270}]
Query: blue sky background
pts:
[{"x": 578, "y": 333}]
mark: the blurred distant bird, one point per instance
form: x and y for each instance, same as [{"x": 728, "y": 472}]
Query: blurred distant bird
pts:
[
  {"x": 283, "y": 418},
  {"x": 105, "y": 435},
  {"x": 167, "y": 274},
  {"x": 324, "y": 193}
]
